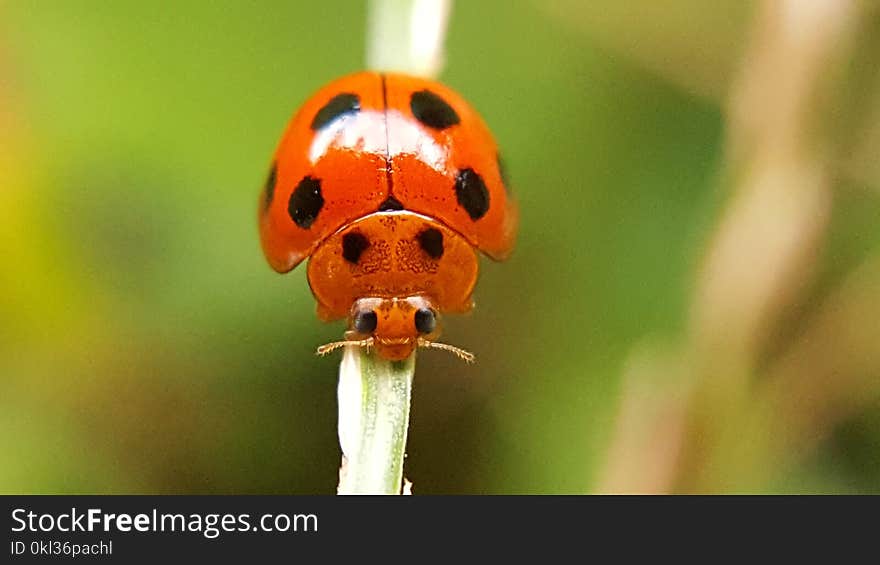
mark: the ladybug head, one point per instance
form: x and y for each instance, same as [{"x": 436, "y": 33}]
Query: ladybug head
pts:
[{"x": 395, "y": 327}]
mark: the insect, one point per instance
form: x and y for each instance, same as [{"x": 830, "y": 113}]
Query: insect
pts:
[{"x": 389, "y": 184}]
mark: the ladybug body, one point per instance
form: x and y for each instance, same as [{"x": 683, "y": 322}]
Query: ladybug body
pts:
[{"x": 390, "y": 184}]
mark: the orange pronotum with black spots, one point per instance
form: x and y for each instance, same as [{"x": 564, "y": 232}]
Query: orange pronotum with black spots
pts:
[{"x": 390, "y": 183}]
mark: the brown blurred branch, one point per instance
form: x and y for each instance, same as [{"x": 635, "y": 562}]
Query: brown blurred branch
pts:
[
  {"x": 778, "y": 153},
  {"x": 706, "y": 432},
  {"x": 833, "y": 369}
]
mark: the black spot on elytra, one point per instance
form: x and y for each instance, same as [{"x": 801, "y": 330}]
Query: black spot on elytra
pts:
[
  {"x": 269, "y": 188},
  {"x": 471, "y": 193},
  {"x": 432, "y": 110},
  {"x": 365, "y": 321},
  {"x": 305, "y": 202},
  {"x": 353, "y": 244},
  {"x": 339, "y": 105},
  {"x": 390, "y": 204},
  {"x": 431, "y": 241},
  {"x": 426, "y": 321}
]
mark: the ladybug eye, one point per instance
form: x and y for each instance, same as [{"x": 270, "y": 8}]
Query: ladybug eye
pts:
[
  {"x": 365, "y": 322},
  {"x": 426, "y": 320}
]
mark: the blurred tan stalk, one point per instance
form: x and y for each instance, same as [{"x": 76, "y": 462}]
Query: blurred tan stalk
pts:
[{"x": 703, "y": 419}]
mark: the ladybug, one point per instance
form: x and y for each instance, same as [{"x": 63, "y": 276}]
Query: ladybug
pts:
[{"x": 389, "y": 184}]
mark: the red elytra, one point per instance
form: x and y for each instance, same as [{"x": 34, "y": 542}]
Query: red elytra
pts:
[{"x": 388, "y": 183}]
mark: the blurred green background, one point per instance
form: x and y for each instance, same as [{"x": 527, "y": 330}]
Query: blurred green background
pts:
[{"x": 146, "y": 346}]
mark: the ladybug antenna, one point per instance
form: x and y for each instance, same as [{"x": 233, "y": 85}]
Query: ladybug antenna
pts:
[
  {"x": 465, "y": 356},
  {"x": 328, "y": 347}
]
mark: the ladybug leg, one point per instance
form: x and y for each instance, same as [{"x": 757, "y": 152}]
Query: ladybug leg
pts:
[
  {"x": 465, "y": 356},
  {"x": 329, "y": 347}
]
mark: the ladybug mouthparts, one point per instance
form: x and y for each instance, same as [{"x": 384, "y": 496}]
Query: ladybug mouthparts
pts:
[{"x": 395, "y": 327}]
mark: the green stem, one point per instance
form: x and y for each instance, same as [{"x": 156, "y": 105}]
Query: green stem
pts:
[
  {"x": 407, "y": 35},
  {"x": 374, "y": 394},
  {"x": 374, "y": 400}
]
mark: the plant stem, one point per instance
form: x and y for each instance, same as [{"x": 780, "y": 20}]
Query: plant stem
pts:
[
  {"x": 374, "y": 400},
  {"x": 407, "y": 35},
  {"x": 374, "y": 393}
]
